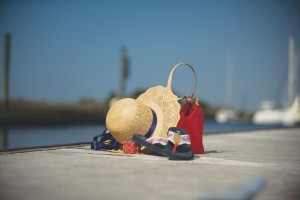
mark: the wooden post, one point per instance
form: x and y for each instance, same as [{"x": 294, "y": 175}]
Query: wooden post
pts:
[
  {"x": 4, "y": 138},
  {"x": 6, "y": 70},
  {"x": 123, "y": 72}
]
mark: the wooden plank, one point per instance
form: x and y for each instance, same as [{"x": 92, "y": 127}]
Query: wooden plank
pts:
[{"x": 230, "y": 161}]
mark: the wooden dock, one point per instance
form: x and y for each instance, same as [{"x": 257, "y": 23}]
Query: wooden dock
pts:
[{"x": 262, "y": 164}]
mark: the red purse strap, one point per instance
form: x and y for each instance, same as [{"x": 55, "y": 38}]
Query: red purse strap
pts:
[{"x": 169, "y": 85}]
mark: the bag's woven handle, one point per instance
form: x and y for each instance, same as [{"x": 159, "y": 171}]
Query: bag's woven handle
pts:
[{"x": 169, "y": 85}]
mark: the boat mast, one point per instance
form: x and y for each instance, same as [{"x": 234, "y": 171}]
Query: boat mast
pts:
[
  {"x": 229, "y": 78},
  {"x": 296, "y": 73},
  {"x": 292, "y": 77}
]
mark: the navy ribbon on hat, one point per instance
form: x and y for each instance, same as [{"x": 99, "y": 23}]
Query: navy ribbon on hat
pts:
[{"x": 153, "y": 125}]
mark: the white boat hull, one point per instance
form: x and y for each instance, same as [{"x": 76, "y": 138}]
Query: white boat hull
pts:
[
  {"x": 225, "y": 115},
  {"x": 289, "y": 116},
  {"x": 268, "y": 117}
]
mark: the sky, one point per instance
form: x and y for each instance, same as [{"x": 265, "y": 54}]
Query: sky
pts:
[{"x": 62, "y": 51}]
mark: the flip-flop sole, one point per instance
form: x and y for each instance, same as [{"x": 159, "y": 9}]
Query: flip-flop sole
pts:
[
  {"x": 153, "y": 147},
  {"x": 183, "y": 152}
]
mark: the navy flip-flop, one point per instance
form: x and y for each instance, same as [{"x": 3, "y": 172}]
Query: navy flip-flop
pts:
[
  {"x": 156, "y": 145},
  {"x": 179, "y": 145}
]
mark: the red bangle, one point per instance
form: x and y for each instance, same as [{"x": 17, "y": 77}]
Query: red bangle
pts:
[{"x": 130, "y": 147}]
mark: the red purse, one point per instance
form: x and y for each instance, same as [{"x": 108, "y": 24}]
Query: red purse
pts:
[
  {"x": 192, "y": 120},
  {"x": 191, "y": 116}
]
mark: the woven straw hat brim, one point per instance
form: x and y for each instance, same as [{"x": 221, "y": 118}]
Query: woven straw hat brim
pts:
[
  {"x": 165, "y": 105},
  {"x": 127, "y": 117}
]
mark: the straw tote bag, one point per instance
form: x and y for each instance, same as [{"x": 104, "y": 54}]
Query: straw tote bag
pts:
[
  {"x": 191, "y": 116},
  {"x": 164, "y": 97}
]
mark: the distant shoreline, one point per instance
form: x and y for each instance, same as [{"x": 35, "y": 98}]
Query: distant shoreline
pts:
[
  {"x": 41, "y": 113},
  {"x": 46, "y": 114}
]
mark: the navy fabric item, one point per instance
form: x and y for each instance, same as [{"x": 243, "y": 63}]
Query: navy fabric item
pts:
[
  {"x": 98, "y": 140},
  {"x": 153, "y": 125}
]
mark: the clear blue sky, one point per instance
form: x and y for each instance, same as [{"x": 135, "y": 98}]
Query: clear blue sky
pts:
[{"x": 66, "y": 50}]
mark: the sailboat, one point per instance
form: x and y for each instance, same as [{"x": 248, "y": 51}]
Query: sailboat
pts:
[
  {"x": 290, "y": 115},
  {"x": 268, "y": 114},
  {"x": 227, "y": 114}
]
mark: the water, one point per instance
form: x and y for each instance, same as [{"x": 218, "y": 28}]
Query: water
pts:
[{"x": 20, "y": 137}]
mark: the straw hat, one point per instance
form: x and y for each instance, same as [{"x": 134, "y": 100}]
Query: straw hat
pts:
[{"x": 151, "y": 114}]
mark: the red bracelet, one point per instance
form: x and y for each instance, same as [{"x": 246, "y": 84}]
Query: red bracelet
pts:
[{"x": 130, "y": 147}]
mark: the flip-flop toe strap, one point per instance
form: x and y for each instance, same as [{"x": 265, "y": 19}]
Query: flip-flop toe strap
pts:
[{"x": 178, "y": 140}]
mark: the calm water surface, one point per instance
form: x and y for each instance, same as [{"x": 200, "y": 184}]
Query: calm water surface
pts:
[{"x": 18, "y": 137}]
